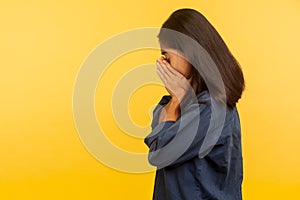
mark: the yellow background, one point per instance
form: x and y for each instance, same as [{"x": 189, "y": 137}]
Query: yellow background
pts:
[{"x": 43, "y": 44}]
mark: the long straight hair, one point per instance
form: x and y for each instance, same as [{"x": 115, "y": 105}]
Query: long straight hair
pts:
[{"x": 193, "y": 24}]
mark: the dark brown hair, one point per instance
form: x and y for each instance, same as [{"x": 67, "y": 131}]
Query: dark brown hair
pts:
[{"x": 193, "y": 24}]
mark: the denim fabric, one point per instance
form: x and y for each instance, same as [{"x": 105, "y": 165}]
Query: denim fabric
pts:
[{"x": 215, "y": 176}]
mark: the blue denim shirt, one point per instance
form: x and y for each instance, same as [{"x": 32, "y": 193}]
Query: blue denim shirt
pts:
[{"x": 215, "y": 175}]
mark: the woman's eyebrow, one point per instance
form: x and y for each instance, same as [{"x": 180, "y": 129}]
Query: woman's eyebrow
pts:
[{"x": 163, "y": 52}]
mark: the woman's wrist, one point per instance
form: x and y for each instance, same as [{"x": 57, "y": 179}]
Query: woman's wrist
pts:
[{"x": 174, "y": 103}]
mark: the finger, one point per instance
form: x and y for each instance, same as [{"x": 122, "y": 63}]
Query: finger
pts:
[
  {"x": 165, "y": 82},
  {"x": 170, "y": 73},
  {"x": 162, "y": 77},
  {"x": 162, "y": 73},
  {"x": 160, "y": 59},
  {"x": 170, "y": 69},
  {"x": 164, "y": 69},
  {"x": 168, "y": 66}
]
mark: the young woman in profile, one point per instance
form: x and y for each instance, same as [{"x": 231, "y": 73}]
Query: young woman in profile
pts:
[{"x": 197, "y": 152}]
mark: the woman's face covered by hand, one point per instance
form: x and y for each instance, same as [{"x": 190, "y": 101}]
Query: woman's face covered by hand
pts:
[
  {"x": 175, "y": 73},
  {"x": 177, "y": 62}
]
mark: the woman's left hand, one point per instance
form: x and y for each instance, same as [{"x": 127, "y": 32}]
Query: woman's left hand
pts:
[{"x": 176, "y": 84}]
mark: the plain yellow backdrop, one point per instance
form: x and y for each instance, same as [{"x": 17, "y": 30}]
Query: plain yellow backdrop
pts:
[{"x": 43, "y": 44}]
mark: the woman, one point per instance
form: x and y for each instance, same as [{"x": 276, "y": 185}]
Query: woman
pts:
[{"x": 196, "y": 136}]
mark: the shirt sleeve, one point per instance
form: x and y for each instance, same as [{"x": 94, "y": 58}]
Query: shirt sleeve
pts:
[{"x": 171, "y": 143}]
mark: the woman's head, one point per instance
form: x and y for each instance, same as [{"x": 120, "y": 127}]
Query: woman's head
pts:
[{"x": 194, "y": 25}]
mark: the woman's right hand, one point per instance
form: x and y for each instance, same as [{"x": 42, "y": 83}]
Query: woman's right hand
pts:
[{"x": 176, "y": 84}]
